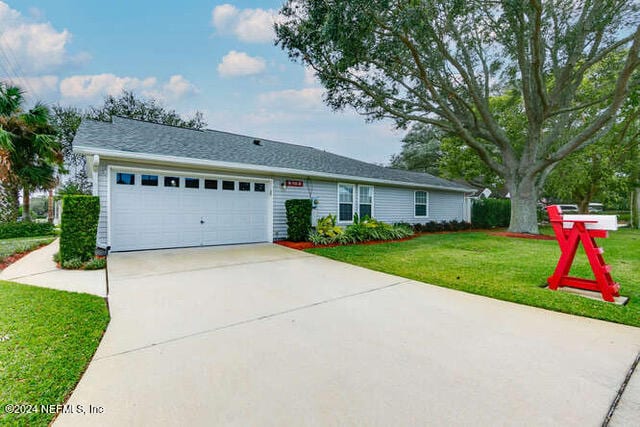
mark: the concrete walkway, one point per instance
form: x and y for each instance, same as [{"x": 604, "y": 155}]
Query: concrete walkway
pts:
[
  {"x": 38, "y": 268},
  {"x": 263, "y": 335}
]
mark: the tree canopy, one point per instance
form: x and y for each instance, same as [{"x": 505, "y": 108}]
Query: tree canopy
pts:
[
  {"x": 428, "y": 149},
  {"x": 127, "y": 104},
  {"x": 33, "y": 152},
  {"x": 132, "y": 106},
  {"x": 441, "y": 63}
]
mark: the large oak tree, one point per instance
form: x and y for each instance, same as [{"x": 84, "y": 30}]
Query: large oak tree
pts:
[{"x": 440, "y": 62}]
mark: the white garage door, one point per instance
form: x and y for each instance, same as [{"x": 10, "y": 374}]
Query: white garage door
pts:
[{"x": 164, "y": 210}]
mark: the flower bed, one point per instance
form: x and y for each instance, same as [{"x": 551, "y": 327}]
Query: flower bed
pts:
[{"x": 308, "y": 245}]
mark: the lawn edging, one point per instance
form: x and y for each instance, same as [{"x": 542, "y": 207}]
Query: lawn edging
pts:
[
  {"x": 301, "y": 246},
  {"x": 22, "y": 251},
  {"x": 51, "y": 336},
  {"x": 504, "y": 268}
]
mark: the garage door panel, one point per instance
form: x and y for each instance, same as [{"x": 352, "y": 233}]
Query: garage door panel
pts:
[{"x": 147, "y": 217}]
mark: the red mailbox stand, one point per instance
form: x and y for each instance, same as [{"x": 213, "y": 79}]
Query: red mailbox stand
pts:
[{"x": 569, "y": 235}]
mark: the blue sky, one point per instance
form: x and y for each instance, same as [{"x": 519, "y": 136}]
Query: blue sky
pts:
[{"x": 215, "y": 57}]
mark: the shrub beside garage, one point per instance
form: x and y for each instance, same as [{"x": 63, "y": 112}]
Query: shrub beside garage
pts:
[
  {"x": 298, "y": 219},
  {"x": 79, "y": 227}
]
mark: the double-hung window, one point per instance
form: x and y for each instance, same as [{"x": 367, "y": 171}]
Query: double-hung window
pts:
[
  {"x": 345, "y": 202},
  {"x": 365, "y": 201},
  {"x": 421, "y": 203}
]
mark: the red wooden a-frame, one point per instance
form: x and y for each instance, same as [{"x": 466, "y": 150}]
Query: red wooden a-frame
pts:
[{"x": 568, "y": 239}]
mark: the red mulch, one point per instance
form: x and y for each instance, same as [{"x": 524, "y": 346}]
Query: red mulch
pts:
[
  {"x": 523, "y": 235},
  {"x": 307, "y": 245},
  {"x": 15, "y": 257}
]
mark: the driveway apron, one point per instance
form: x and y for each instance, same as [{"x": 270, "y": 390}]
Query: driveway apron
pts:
[{"x": 255, "y": 335}]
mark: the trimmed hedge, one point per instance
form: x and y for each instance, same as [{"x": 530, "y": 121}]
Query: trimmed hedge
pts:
[
  {"x": 298, "y": 219},
  {"x": 491, "y": 213},
  {"x": 436, "y": 226},
  {"x": 79, "y": 226},
  {"x": 10, "y": 230}
]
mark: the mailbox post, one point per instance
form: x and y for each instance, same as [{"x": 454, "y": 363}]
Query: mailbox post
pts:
[{"x": 571, "y": 230}]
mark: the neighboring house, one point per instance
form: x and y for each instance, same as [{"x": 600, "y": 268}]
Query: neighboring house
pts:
[{"x": 163, "y": 186}]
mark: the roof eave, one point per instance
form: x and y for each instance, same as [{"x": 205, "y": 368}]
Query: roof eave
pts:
[{"x": 245, "y": 167}]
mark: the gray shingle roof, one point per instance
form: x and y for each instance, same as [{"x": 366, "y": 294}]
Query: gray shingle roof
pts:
[{"x": 135, "y": 136}]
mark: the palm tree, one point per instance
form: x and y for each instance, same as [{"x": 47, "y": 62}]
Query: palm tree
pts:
[
  {"x": 9, "y": 96},
  {"x": 32, "y": 148}
]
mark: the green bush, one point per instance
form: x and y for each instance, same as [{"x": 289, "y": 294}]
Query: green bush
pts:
[
  {"x": 624, "y": 217},
  {"x": 362, "y": 230},
  {"x": 10, "y": 230},
  {"x": 72, "y": 264},
  {"x": 96, "y": 264},
  {"x": 491, "y": 213},
  {"x": 327, "y": 226},
  {"x": 319, "y": 239},
  {"x": 435, "y": 226},
  {"x": 298, "y": 219},
  {"x": 79, "y": 225}
]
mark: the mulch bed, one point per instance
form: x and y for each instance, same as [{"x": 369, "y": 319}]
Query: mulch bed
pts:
[
  {"x": 7, "y": 261},
  {"x": 307, "y": 245},
  {"x": 523, "y": 235}
]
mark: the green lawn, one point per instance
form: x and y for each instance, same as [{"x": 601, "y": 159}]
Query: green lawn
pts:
[
  {"x": 510, "y": 269},
  {"x": 22, "y": 244},
  {"x": 47, "y": 338}
]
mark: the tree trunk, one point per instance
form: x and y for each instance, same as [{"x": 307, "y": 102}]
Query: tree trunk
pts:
[
  {"x": 635, "y": 208},
  {"x": 524, "y": 215},
  {"x": 26, "y": 204},
  {"x": 9, "y": 202},
  {"x": 583, "y": 205},
  {"x": 50, "y": 207}
]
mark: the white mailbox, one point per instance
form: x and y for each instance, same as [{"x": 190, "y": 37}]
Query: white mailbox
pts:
[{"x": 603, "y": 222}]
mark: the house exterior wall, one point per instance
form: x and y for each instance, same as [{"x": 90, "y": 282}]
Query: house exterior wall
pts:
[
  {"x": 390, "y": 204},
  {"x": 102, "y": 192}
]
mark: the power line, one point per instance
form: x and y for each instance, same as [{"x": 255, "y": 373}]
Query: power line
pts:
[
  {"x": 13, "y": 57},
  {"x": 10, "y": 68}
]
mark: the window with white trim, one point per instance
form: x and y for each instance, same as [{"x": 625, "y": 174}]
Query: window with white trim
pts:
[
  {"x": 421, "y": 204},
  {"x": 345, "y": 202},
  {"x": 365, "y": 200}
]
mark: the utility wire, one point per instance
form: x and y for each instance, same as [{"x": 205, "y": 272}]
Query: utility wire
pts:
[{"x": 10, "y": 69}]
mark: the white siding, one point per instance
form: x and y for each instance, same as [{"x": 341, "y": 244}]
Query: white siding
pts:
[
  {"x": 324, "y": 191},
  {"x": 391, "y": 204},
  {"x": 446, "y": 206},
  {"x": 102, "y": 193}
]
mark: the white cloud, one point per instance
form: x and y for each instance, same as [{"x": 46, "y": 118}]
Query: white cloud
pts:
[
  {"x": 240, "y": 64},
  {"x": 249, "y": 25},
  {"x": 34, "y": 87},
  {"x": 310, "y": 78},
  {"x": 92, "y": 87},
  {"x": 29, "y": 47},
  {"x": 223, "y": 16},
  {"x": 178, "y": 87},
  {"x": 42, "y": 86}
]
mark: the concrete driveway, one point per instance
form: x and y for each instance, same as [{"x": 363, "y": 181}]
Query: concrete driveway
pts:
[{"x": 264, "y": 335}]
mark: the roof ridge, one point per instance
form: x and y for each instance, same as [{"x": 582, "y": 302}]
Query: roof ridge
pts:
[
  {"x": 213, "y": 131},
  {"x": 119, "y": 117},
  {"x": 261, "y": 139}
]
